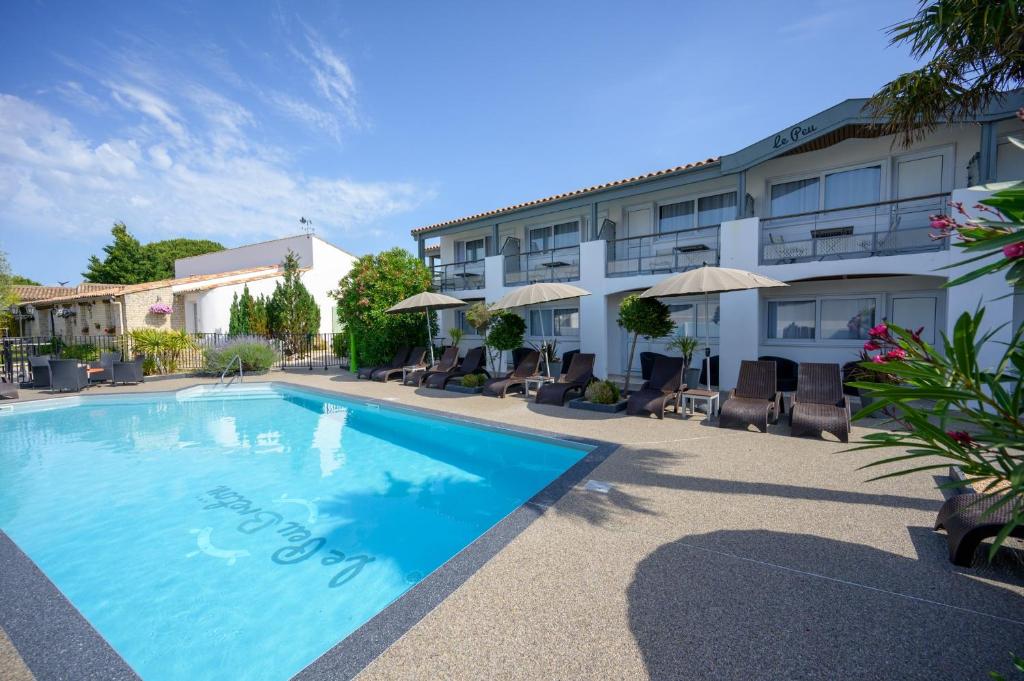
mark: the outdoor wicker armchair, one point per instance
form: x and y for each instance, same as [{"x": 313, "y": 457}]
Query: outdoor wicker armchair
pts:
[
  {"x": 40, "y": 370},
  {"x": 819, "y": 404},
  {"x": 68, "y": 374},
  {"x": 663, "y": 387},
  {"x": 754, "y": 401},
  {"x": 579, "y": 375},
  {"x": 105, "y": 362},
  {"x": 128, "y": 372},
  {"x": 516, "y": 380}
]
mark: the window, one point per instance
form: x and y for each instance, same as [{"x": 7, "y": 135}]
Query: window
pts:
[
  {"x": 675, "y": 217},
  {"x": 460, "y": 322},
  {"x": 791, "y": 319},
  {"x": 798, "y": 196},
  {"x": 554, "y": 236},
  {"x": 853, "y": 187},
  {"x": 714, "y": 210},
  {"x": 468, "y": 251},
  {"x": 913, "y": 312},
  {"x": 555, "y": 322},
  {"x": 691, "y": 319},
  {"x": 847, "y": 318}
]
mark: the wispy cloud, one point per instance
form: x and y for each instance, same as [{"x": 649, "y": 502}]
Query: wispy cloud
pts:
[
  {"x": 73, "y": 92},
  {"x": 139, "y": 99},
  {"x": 812, "y": 23},
  {"x": 333, "y": 77},
  {"x": 305, "y": 113}
]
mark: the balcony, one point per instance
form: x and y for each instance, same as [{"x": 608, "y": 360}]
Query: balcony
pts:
[
  {"x": 552, "y": 264},
  {"x": 660, "y": 253},
  {"x": 876, "y": 229},
  {"x": 459, "y": 276}
]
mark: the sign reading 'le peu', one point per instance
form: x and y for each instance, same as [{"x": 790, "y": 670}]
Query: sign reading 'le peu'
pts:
[{"x": 794, "y": 134}]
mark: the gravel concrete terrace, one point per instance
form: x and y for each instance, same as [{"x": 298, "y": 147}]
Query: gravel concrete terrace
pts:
[{"x": 717, "y": 554}]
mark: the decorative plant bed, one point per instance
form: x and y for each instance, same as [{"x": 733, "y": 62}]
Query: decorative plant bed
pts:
[
  {"x": 456, "y": 388},
  {"x": 582, "y": 403}
]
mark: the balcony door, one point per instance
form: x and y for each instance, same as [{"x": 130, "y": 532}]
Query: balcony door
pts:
[{"x": 919, "y": 175}]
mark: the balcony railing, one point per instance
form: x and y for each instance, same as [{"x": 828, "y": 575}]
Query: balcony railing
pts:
[
  {"x": 552, "y": 264},
  {"x": 666, "y": 252},
  {"x": 459, "y": 276},
  {"x": 885, "y": 228}
]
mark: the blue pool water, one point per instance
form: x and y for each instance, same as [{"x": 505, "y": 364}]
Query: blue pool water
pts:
[{"x": 208, "y": 536}]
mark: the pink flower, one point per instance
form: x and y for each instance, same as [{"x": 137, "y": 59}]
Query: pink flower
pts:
[
  {"x": 877, "y": 359},
  {"x": 1014, "y": 251},
  {"x": 961, "y": 437},
  {"x": 939, "y": 222},
  {"x": 879, "y": 331},
  {"x": 898, "y": 353},
  {"x": 871, "y": 346}
]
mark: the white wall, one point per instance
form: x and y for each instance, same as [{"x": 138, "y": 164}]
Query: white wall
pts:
[
  {"x": 214, "y": 305},
  {"x": 244, "y": 257}
]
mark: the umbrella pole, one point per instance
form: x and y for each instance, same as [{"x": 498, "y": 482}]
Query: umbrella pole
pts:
[
  {"x": 707, "y": 339},
  {"x": 544, "y": 340},
  {"x": 430, "y": 336}
]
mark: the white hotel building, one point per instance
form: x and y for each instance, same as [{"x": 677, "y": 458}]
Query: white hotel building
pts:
[{"x": 826, "y": 205}]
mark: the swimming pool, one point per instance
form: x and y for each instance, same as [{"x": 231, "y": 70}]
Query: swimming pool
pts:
[{"x": 241, "y": 534}]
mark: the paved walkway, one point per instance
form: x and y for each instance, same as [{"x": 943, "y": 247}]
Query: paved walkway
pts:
[{"x": 717, "y": 554}]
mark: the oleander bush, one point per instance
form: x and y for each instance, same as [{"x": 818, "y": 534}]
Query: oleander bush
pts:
[
  {"x": 256, "y": 356},
  {"x": 603, "y": 392}
]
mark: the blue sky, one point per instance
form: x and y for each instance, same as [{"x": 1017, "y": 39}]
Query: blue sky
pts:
[{"x": 230, "y": 120}]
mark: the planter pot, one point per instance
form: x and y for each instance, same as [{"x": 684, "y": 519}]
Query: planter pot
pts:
[
  {"x": 956, "y": 474},
  {"x": 463, "y": 389},
  {"x": 867, "y": 401},
  {"x": 582, "y": 403},
  {"x": 556, "y": 368}
]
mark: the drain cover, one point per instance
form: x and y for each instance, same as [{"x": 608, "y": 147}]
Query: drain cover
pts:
[{"x": 598, "y": 486}]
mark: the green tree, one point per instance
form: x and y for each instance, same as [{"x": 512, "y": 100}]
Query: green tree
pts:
[
  {"x": 248, "y": 315},
  {"x": 18, "y": 280},
  {"x": 128, "y": 261},
  {"x": 292, "y": 311},
  {"x": 160, "y": 255},
  {"x": 479, "y": 316},
  {"x": 7, "y": 295},
  {"x": 647, "y": 317},
  {"x": 375, "y": 283},
  {"x": 974, "y": 51},
  {"x": 124, "y": 262},
  {"x": 506, "y": 332}
]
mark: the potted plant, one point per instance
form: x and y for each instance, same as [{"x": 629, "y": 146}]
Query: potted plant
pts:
[
  {"x": 85, "y": 330},
  {"x": 472, "y": 384},
  {"x": 479, "y": 316},
  {"x": 603, "y": 396},
  {"x": 686, "y": 345},
  {"x": 455, "y": 335},
  {"x": 506, "y": 332},
  {"x": 160, "y": 308},
  {"x": 647, "y": 317},
  {"x": 549, "y": 353},
  {"x": 111, "y": 330}
]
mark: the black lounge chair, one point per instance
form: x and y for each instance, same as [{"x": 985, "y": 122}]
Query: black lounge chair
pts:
[
  {"x": 68, "y": 374},
  {"x": 786, "y": 373},
  {"x": 518, "y": 354},
  {"x": 472, "y": 363},
  {"x": 647, "y": 360},
  {"x": 397, "y": 362},
  {"x": 449, "y": 362},
  {"x": 754, "y": 401},
  {"x": 415, "y": 359},
  {"x": 8, "y": 391},
  {"x": 516, "y": 379},
  {"x": 819, "y": 403},
  {"x": 579, "y": 375},
  {"x": 128, "y": 372},
  {"x": 962, "y": 518},
  {"x": 40, "y": 370},
  {"x": 663, "y": 387},
  {"x": 105, "y": 362}
]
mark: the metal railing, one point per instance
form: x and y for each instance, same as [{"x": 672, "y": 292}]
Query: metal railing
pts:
[
  {"x": 863, "y": 231},
  {"x": 665, "y": 252},
  {"x": 241, "y": 372},
  {"x": 551, "y": 264},
  {"x": 312, "y": 351},
  {"x": 459, "y": 276}
]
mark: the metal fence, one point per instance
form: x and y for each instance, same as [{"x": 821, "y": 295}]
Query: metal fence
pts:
[
  {"x": 663, "y": 252},
  {"x": 313, "y": 351},
  {"x": 552, "y": 264}
]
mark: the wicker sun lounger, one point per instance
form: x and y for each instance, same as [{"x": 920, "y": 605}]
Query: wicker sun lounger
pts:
[
  {"x": 579, "y": 375},
  {"x": 663, "y": 387},
  {"x": 819, "y": 403},
  {"x": 68, "y": 374},
  {"x": 128, "y": 372},
  {"x": 415, "y": 359},
  {"x": 515, "y": 379},
  {"x": 396, "y": 362},
  {"x": 472, "y": 363},
  {"x": 449, "y": 362},
  {"x": 961, "y": 517},
  {"x": 754, "y": 401}
]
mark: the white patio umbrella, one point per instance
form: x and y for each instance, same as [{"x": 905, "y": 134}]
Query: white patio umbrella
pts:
[
  {"x": 708, "y": 280},
  {"x": 425, "y": 302},
  {"x": 537, "y": 294}
]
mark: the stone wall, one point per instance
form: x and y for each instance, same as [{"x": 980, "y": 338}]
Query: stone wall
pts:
[{"x": 138, "y": 316}]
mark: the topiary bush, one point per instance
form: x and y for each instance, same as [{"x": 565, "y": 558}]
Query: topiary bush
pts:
[
  {"x": 473, "y": 380},
  {"x": 603, "y": 392},
  {"x": 256, "y": 357}
]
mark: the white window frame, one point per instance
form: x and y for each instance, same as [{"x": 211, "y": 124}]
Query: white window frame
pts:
[
  {"x": 551, "y": 332},
  {"x": 881, "y": 310},
  {"x": 550, "y": 224},
  {"x": 884, "y": 189}
]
